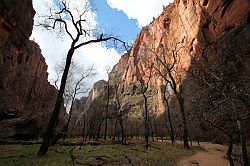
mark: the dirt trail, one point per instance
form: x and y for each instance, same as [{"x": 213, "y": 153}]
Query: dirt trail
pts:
[{"x": 213, "y": 155}]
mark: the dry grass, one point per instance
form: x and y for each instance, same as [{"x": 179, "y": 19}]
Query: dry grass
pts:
[{"x": 110, "y": 154}]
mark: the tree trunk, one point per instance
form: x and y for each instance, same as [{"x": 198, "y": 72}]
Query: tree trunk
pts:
[
  {"x": 90, "y": 133},
  {"x": 115, "y": 129},
  {"x": 70, "y": 113},
  {"x": 229, "y": 152},
  {"x": 190, "y": 139},
  {"x": 138, "y": 134},
  {"x": 171, "y": 126},
  {"x": 122, "y": 129},
  {"x": 106, "y": 114},
  {"x": 184, "y": 121},
  {"x": 152, "y": 135},
  {"x": 56, "y": 138},
  {"x": 179, "y": 132},
  {"x": 242, "y": 136},
  {"x": 168, "y": 131},
  {"x": 146, "y": 132},
  {"x": 156, "y": 130},
  {"x": 83, "y": 128},
  {"x": 98, "y": 131},
  {"x": 86, "y": 136},
  {"x": 169, "y": 117},
  {"x": 243, "y": 142},
  {"x": 151, "y": 131},
  {"x": 67, "y": 125},
  {"x": 55, "y": 114}
]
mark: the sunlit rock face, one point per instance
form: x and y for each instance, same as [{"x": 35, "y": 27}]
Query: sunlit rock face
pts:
[
  {"x": 26, "y": 97},
  {"x": 187, "y": 29},
  {"x": 83, "y": 103}
]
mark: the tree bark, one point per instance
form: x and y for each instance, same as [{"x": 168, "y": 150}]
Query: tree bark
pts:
[
  {"x": 146, "y": 131},
  {"x": 151, "y": 131},
  {"x": 242, "y": 136},
  {"x": 67, "y": 125},
  {"x": 184, "y": 121},
  {"x": 106, "y": 113},
  {"x": 99, "y": 130},
  {"x": 229, "y": 152},
  {"x": 156, "y": 130},
  {"x": 171, "y": 126},
  {"x": 55, "y": 114},
  {"x": 121, "y": 125},
  {"x": 115, "y": 129},
  {"x": 190, "y": 139},
  {"x": 243, "y": 142},
  {"x": 166, "y": 124},
  {"x": 83, "y": 128},
  {"x": 169, "y": 117}
]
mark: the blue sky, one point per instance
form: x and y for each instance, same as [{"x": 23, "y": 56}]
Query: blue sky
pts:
[
  {"x": 120, "y": 17},
  {"x": 115, "y": 21}
]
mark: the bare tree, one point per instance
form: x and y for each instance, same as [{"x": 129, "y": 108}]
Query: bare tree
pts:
[
  {"x": 75, "y": 85},
  {"x": 94, "y": 118},
  {"x": 226, "y": 99},
  {"x": 79, "y": 88},
  {"x": 107, "y": 106},
  {"x": 84, "y": 127},
  {"x": 154, "y": 124},
  {"x": 230, "y": 144},
  {"x": 119, "y": 111},
  {"x": 166, "y": 95},
  {"x": 144, "y": 84},
  {"x": 168, "y": 73},
  {"x": 144, "y": 88},
  {"x": 83, "y": 34}
]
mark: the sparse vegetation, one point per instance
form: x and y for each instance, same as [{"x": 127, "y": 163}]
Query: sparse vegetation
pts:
[{"x": 159, "y": 153}]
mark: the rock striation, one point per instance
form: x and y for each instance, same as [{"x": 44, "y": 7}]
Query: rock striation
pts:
[{"x": 26, "y": 96}]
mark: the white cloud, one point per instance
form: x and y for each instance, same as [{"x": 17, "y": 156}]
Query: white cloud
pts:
[
  {"x": 142, "y": 10},
  {"x": 54, "y": 49}
]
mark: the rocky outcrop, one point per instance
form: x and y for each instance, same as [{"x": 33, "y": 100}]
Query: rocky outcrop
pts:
[{"x": 26, "y": 96}]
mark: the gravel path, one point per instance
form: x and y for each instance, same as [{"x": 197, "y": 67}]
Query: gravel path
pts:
[{"x": 212, "y": 156}]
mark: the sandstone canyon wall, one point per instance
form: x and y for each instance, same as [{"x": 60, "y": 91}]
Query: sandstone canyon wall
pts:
[
  {"x": 184, "y": 26},
  {"x": 85, "y": 107},
  {"x": 192, "y": 30},
  {"x": 26, "y": 96}
]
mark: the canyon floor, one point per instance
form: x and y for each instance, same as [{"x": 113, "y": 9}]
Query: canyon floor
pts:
[
  {"x": 212, "y": 154},
  {"x": 107, "y": 153},
  {"x": 90, "y": 155}
]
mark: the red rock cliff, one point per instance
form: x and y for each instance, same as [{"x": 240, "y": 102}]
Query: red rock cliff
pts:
[
  {"x": 190, "y": 29},
  {"x": 26, "y": 97},
  {"x": 186, "y": 27}
]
